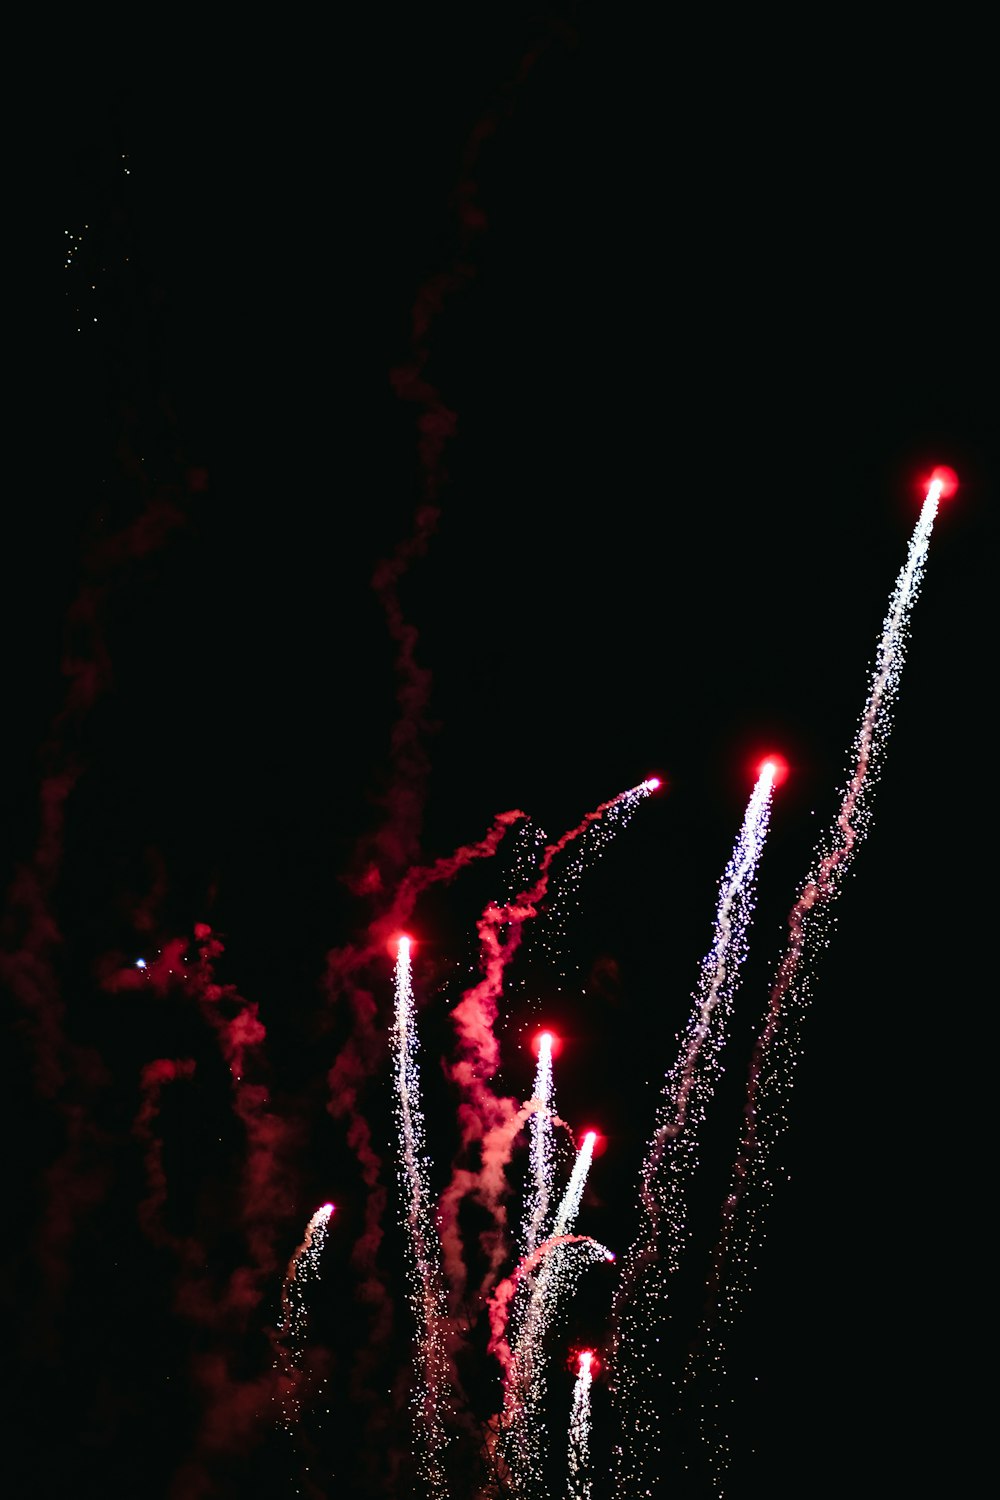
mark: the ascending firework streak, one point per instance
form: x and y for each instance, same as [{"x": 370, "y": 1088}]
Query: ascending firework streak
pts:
[
  {"x": 774, "y": 1055},
  {"x": 426, "y": 1285},
  {"x": 521, "y": 1424},
  {"x": 489, "y": 1123},
  {"x": 671, "y": 1156},
  {"x": 540, "y": 1151},
  {"x": 578, "y": 1479},
  {"x": 303, "y": 1267}
]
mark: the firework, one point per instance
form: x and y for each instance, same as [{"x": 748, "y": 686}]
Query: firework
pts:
[
  {"x": 775, "y": 1051},
  {"x": 578, "y": 1485},
  {"x": 426, "y": 1287},
  {"x": 490, "y": 1122},
  {"x": 303, "y": 1267},
  {"x": 521, "y": 1420},
  {"x": 671, "y": 1157}
]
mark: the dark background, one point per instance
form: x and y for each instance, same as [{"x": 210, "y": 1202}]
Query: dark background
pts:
[{"x": 692, "y": 318}]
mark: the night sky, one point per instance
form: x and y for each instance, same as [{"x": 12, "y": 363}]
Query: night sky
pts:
[{"x": 482, "y": 419}]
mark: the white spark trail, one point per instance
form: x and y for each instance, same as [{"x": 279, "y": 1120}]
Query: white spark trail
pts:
[
  {"x": 426, "y": 1285},
  {"x": 302, "y": 1268},
  {"x": 540, "y": 1150},
  {"x": 578, "y": 1486},
  {"x": 671, "y": 1158},
  {"x": 775, "y": 1053},
  {"x": 524, "y": 1389}
]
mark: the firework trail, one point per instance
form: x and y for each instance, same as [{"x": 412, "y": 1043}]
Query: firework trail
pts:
[
  {"x": 671, "y": 1156},
  {"x": 358, "y": 1060},
  {"x": 302, "y": 1268},
  {"x": 382, "y": 856},
  {"x": 774, "y": 1056},
  {"x": 427, "y": 1297},
  {"x": 540, "y": 1151},
  {"x": 523, "y": 1433},
  {"x": 488, "y": 1121},
  {"x": 500, "y": 1300},
  {"x": 578, "y": 1480}
]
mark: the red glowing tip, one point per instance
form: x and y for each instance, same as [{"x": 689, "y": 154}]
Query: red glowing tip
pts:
[
  {"x": 543, "y": 1037},
  {"x": 593, "y": 1141},
  {"x": 397, "y": 944},
  {"x": 578, "y": 1360},
  {"x": 329, "y": 1208},
  {"x": 944, "y": 481},
  {"x": 774, "y": 766}
]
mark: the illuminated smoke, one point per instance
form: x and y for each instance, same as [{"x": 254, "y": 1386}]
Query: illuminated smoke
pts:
[
  {"x": 489, "y": 1122},
  {"x": 359, "y": 1060},
  {"x": 427, "y": 1298},
  {"x": 578, "y": 1485},
  {"x": 775, "y": 1052},
  {"x": 671, "y": 1158}
]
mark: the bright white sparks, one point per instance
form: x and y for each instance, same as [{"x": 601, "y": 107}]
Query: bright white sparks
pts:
[
  {"x": 521, "y": 1420},
  {"x": 775, "y": 1054},
  {"x": 671, "y": 1156},
  {"x": 426, "y": 1288},
  {"x": 578, "y": 1485},
  {"x": 540, "y": 1151},
  {"x": 302, "y": 1268}
]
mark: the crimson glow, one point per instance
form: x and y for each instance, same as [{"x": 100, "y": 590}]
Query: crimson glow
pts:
[
  {"x": 555, "y": 1045},
  {"x": 944, "y": 480},
  {"x": 579, "y": 1360},
  {"x": 596, "y": 1142},
  {"x": 777, "y": 766},
  {"x": 396, "y": 943}
]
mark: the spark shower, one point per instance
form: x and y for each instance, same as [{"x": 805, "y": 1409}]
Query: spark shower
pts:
[{"x": 526, "y": 1274}]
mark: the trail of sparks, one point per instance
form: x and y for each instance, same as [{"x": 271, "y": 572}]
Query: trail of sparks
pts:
[
  {"x": 302, "y": 1268},
  {"x": 487, "y": 1120},
  {"x": 359, "y": 1060},
  {"x": 578, "y": 1485},
  {"x": 427, "y": 1297},
  {"x": 540, "y": 1150},
  {"x": 498, "y": 1306},
  {"x": 671, "y": 1157},
  {"x": 774, "y": 1056},
  {"x": 522, "y": 1428}
]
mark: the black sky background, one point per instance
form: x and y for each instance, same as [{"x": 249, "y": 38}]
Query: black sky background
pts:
[{"x": 705, "y": 310}]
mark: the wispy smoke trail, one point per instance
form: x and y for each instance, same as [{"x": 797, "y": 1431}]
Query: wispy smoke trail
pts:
[
  {"x": 69, "y": 1077},
  {"x": 489, "y": 1122},
  {"x": 217, "y": 1292},
  {"x": 358, "y": 1060},
  {"x": 498, "y": 1305}
]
